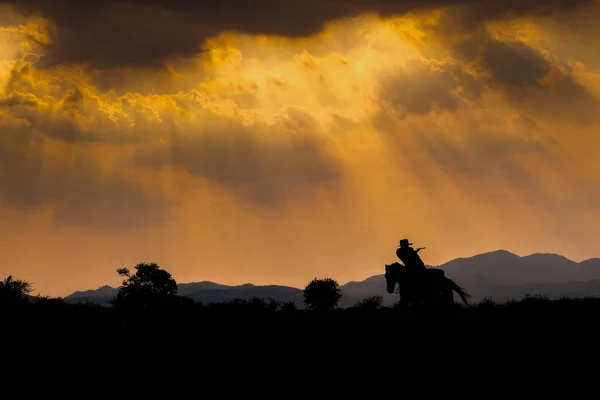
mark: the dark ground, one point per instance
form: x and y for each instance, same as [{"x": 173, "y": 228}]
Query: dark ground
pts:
[{"x": 253, "y": 333}]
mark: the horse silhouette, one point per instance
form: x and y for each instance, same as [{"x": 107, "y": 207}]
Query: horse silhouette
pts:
[{"x": 437, "y": 289}]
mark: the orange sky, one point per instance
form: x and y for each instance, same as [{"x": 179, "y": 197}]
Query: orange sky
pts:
[{"x": 276, "y": 145}]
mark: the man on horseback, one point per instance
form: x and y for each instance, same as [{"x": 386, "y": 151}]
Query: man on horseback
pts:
[
  {"x": 411, "y": 259},
  {"x": 409, "y": 256}
]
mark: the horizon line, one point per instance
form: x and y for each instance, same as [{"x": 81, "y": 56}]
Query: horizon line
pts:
[{"x": 232, "y": 285}]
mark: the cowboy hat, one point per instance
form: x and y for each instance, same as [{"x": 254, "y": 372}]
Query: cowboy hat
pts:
[{"x": 405, "y": 242}]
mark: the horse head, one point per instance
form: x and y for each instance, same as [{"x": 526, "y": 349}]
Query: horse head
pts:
[{"x": 392, "y": 276}]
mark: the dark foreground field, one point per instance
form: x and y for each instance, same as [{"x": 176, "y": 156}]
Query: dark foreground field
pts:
[{"x": 257, "y": 329}]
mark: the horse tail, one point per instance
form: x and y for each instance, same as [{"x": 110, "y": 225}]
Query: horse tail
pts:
[{"x": 461, "y": 292}]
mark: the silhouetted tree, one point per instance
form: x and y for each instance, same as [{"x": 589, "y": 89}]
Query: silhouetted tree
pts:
[
  {"x": 272, "y": 304},
  {"x": 322, "y": 294},
  {"x": 369, "y": 303},
  {"x": 15, "y": 292},
  {"x": 288, "y": 306},
  {"x": 148, "y": 287},
  {"x": 49, "y": 301}
]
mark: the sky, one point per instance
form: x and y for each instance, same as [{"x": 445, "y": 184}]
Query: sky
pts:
[{"x": 273, "y": 142}]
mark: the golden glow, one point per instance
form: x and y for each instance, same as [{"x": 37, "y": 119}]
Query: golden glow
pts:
[{"x": 323, "y": 153}]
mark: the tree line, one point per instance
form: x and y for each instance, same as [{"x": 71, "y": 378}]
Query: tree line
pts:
[{"x": 149, "y": 289}]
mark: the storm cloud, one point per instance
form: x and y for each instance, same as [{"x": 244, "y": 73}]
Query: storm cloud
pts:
[
  {"x": 115, "y": 33},
  {"x": 264, "y": 164}
]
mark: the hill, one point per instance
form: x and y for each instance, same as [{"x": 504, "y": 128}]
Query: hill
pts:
[
  {"x": 209, "y": 292},
  {"x": 500, "y": 275}
]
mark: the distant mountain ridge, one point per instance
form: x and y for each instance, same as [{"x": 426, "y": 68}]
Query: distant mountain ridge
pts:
[
  {"x": 499, "y": 275},
  {"x": 209, "y": 292}
]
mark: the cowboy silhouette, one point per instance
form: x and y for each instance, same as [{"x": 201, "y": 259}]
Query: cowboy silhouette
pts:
[
  {"x": 411, "y": 260},
  {"x": 409, "y": 256}
]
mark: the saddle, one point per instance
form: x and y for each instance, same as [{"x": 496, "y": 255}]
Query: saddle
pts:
[{"x": 435, "y": 272}]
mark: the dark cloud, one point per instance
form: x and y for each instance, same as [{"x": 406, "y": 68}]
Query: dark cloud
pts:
[
  {"x": 265, "y": 165},
  {"x": 510, "y": 64},
  {"x": 562, "y": 98},
  {"x": 8, "y": 16},
  {"x": 73, "y": 185},
  {"x": 423, "y": 86},
  {"x": 469, "y": 15},
  {"x": 514, "y": 64},
  {"x": 117, "y": 33},
  {"x": 58, "y": 118},
  {"x": 65, "y": 109},
  {"x": 15, "y": 100},
  {"x": 577, "y": 38},
  {"x": 531, "y": 80}
]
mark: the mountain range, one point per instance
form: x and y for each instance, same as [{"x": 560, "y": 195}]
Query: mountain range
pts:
[{"x": 499, "y": 275}]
